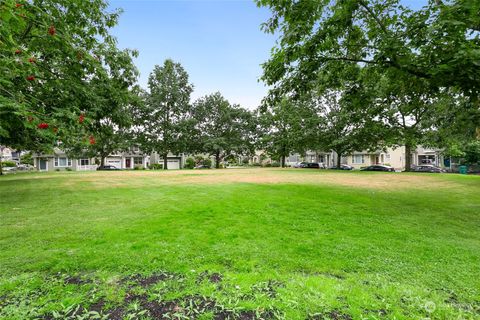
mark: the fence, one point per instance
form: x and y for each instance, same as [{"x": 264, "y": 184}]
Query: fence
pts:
[{"x": 91, "y": 167}]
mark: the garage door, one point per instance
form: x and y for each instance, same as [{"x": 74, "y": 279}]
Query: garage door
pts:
[
  {"x": 116, "y": 163},
  {"x": 173, "y": 164}
]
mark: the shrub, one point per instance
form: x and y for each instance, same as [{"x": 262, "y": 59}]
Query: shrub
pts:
[
  {"x": 156, "y": 166},
  {"x": 207, "y": 162},
  {"x": 9, "y": 163},
  {"x": 267, "y": 165},
  {"x": 27, "y": 159},
  {"x": 57, "y": 169},
  {"x": 189, "y": 163},
  {"x": 275, "y": 164},
  {"x": 68, "y": 169},
  {"x": 138, "y": 167},
  {"x": 256, "y": 164}
]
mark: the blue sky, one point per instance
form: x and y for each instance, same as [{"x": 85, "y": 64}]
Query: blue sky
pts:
[{"x": 218, "y": 42}]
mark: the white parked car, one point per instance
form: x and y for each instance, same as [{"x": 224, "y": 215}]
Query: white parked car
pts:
[{"x": 9, "y": 170}]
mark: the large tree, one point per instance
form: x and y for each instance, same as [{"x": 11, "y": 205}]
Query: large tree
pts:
[
  {"x": 163, "y": 121},
  {"x": 438, "y": 44},
  {"x": 286, "y": 127},
  {"x": 409, "y": 109},
  {"x": 223, "y": 129},
  {"x": 107, "y": 128},
  {"x": 344, "y": 126},
  {"x": 53, "y": 53}
]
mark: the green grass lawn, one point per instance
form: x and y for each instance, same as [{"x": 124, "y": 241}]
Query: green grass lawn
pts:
[{"x": 239, "y": 244}]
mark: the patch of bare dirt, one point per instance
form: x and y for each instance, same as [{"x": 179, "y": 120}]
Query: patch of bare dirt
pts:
[
  {"x": 211, "y": 277},
  {"x": 146, "y": 281},
  {"x": 331, "y": 315}
]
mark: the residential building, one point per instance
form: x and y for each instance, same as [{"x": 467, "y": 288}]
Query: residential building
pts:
[
  {"x": 324, "y": 158},
  {"x": 59, "y": 160},
  {"x": 394, "y": 157},
  {"x": 173, "y": 161},
  {"x": 9, "y": 154},
  {"x": 129, "y": 159}
]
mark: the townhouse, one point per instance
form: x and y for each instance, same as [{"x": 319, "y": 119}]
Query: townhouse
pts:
[
  {"x": 394, "y": 157},
  {"x": 59, "y": 160}
]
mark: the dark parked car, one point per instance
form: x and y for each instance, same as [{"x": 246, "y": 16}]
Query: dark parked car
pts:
[
  {"x": 378, "y": 167},
  {"x": 427, "y": 168},
  {"x": 311, "y": 165},
  {"x": 342, "y": 167},
  {"x": 107, "y": 167},
  {"x": 202, "y": 166}
]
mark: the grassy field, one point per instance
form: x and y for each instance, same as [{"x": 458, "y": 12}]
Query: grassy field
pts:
[{"x": 239, "y": 244}]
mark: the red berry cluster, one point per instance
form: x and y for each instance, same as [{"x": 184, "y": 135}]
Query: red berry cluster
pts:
[
  {"x": 92, "y": 140},
  {"x": 43, "y": 125},
  {"x": 52, "y": 30},
  {"x": 31, "y": 78},
  {"x": 81, "y": 118}
]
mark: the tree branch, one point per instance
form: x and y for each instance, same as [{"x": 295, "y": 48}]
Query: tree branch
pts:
[{"x": 373, "y": 15}]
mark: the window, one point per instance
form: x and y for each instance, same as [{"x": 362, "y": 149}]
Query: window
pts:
[
  {"x": 387, "y": 156},
  {"x": 84, "y": 162},
  {"x": 135, "y": 149},
  {"x": 358, "y": 158},
  {"x": 63, "y": 162},
  {"x": 293, "y": 158},
  {"x": 138, "y": 160}
]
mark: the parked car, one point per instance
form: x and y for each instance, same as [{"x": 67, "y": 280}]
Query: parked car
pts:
[
  {"x": 311, "y": 165},
  {"x": 300, "y": 164},
  {"x": 25, "y": 167},
  {"x": 342, "y": 167},
  {"x": 202, "y": 166},
  {"x": 428, "y": 168},
  {"x": 378, "y": 167},
  {"x": 9, "y": 170},
  {"x": 107, "y": 167}
]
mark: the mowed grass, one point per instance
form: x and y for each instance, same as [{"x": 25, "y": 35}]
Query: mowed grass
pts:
[{"x": 239, "y": 244}]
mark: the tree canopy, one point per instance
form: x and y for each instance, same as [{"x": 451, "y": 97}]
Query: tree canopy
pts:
[
  {"x": 164, "y": 120},
  {"x": 415, "y": 71},
  {"x": 58, "y": 65},
  {"x": 223, "y": 129}
]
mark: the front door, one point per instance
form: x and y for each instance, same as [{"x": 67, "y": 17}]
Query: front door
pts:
[
  {"x": 42, "y": 164},
  {"x": 127, "y": 163}
]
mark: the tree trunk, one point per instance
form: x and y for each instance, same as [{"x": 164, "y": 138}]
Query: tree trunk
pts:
[
  {"x": 408, "y": 156},
  {"x": 339, "y": 159},
  {"x": 165, "y": 161},
  {"x": 217, "y": 160},
  {"x": 102, "y": 160},
  {"x": 282, "y": 159},
  {"x": 1, "y": 166}
]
